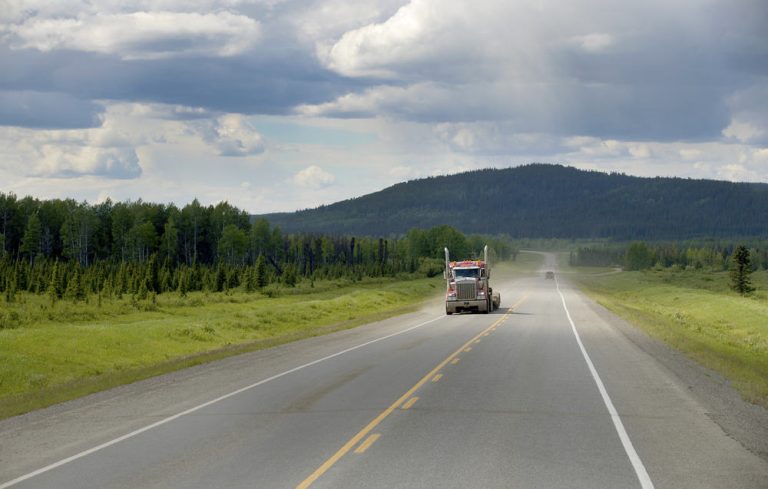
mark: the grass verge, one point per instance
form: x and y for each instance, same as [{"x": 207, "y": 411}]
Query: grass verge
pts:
[
  {"x": 694, "y": 312},
  {"x": 52, "y": 353}
]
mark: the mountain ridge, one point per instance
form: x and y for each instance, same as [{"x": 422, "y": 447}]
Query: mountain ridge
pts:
[{"x": 548, "y": 201}]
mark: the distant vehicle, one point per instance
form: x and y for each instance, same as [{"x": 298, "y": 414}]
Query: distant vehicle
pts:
[
  {"x": 550, "y": 275},
  {"x": 468, "y": 286}
]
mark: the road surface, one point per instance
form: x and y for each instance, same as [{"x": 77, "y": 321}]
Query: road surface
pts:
[{"x": 544, "y": 393}]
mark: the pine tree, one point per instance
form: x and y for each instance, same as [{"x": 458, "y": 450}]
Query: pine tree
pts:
[
  {"x": 261, "y": 272},
  {"x": 10, "y": 288},
  {"x": 183, "y": 282},
  {"x": 740, "y": 269},
  {"x": 152, "y": 274},
  {"x": 143, "y": 292},
  {"x": 53, "y": 284},
  {"x": 30, "y": 243},
  {"x": 291, "y": 275},
  {"x": 75, "y": 290},
  {"x": 250, "y": 279}
]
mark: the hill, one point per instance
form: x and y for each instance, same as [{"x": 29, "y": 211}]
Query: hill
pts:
[{"x": 548, "y": 201}]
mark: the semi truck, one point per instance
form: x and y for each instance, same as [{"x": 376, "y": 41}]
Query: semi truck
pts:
[{"x": 468, "y": 285}]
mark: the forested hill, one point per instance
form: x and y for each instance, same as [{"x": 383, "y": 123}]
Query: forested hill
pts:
[{"x": 549, "y": 201}]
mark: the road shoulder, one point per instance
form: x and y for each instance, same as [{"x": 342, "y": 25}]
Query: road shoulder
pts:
[{"x": 740, "y": 420}]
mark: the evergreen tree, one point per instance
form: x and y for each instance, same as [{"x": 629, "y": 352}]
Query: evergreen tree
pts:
[
  {"x": 291, "y": 275},
  {"x": 740, "y": 269},
  {"x": 261, "y": 272},
  {"x": 53, "y": 284},
  {"x": 183, "y": 282},
  {"x": 250, "y": 279},
  {"x": 638, "y": 257},
  {"x": 75, "y": 290},
  {"x": 30, "y": 243},
  {"x": 10, "y": 287},
  {"x": 152, "y": 274}
]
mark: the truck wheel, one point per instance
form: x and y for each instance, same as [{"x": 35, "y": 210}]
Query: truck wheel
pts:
[{"x": 487, "y": 306}]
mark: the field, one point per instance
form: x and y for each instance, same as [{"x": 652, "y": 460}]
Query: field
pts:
[
  {"x": 694, "y": 312},
  {"x": 54, "y": 353}
]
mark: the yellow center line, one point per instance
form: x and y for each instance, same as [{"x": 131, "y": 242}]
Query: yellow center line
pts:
[
  {"x": 384, "y": 414},
  {"x": 410, "y": 403},
  {"x": 455, "y": 361},
  {"x": 437, "y": 377},
  {"x": 467, "y": 349},
  {"x": 367, "y": 443}
]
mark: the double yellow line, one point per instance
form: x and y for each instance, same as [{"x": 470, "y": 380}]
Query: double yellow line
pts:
[{"x": 381, "y": 417}]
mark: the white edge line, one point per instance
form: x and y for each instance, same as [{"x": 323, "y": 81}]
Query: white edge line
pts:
[
  {"x": 201, "y": 406},
  {"x": 634, "y": 458}
]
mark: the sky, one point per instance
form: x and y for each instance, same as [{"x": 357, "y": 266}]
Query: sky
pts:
[{"x": 279, "y": 105}]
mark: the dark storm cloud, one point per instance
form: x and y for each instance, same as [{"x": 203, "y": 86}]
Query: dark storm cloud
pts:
[
  {"x": 264, "y": 84},
  {"x": 45, "y": 110}
]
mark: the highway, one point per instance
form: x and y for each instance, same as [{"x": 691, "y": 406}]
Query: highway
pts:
[{"x": 545, "y": 393}]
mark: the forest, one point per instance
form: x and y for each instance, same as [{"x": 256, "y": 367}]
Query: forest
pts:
[
  {"x": 68, "y": 249},
  {"x": 550, "y": 201},
  {"x": 696, "y": 255}
]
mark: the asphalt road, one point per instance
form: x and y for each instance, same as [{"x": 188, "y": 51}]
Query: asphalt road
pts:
[{"x": 544, "y": 393}]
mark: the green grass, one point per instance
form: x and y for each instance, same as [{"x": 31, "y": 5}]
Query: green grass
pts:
[
  {"x": 695, "y": 312},
  {"x": 55, "y": 353}
]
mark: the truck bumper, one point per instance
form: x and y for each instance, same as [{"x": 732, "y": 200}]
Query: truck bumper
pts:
[{"x": 480, "y": 305}]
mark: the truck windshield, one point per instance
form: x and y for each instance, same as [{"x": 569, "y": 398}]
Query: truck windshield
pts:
[{"x": 466, "y": 272}]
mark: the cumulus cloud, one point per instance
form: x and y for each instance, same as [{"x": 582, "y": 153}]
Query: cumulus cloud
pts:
[
  {"x": 324, "y": 21},
  {"x": 232, "y": 135},
  {"x": 70, "y": 154},
  {"x": 141, "y": 35},
  {"x": 107, "y": 151},
  {"x": 74, "y": 161},
  {"x": 565, "y": 69},
  {"x": 313, "y": 177}
]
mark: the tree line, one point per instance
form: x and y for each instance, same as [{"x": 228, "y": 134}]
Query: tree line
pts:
[
  {"x": 640, "y": 255},
  {"x": 70, "y": 249}
]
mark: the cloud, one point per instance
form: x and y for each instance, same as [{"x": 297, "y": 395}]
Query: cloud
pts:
[
  {"x": 749, "y": 120},
  {"x": 140, "y": 35},
  {"x": 594, "y": 42},
  {"x": 495, "y": 138},
  {"x": 170, "y": 112},
  {"x": 568, "y": 70},
  {"x": 232, "y": 135},
  {"x": 404, "y": 172},
  {"x": 76, "y": 161},
  {"x": 654, "y": 87},
  {"x": 107, "y": 151},
  {"x": 27, "y": 108},
  {"x": 313, "y": 177}
]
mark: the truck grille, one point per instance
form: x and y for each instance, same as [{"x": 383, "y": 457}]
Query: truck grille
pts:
[{"x": 466, "y": 291}]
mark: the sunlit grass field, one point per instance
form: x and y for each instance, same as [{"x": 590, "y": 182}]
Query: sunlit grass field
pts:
[
  {"x": 695, "y": 312},
  {"x": 51, "y": 353}
]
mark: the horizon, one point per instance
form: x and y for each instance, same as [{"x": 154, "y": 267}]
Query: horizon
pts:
[{"x": 255, "y": 214}]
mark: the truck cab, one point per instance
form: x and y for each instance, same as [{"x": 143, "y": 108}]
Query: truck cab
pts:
[{"x": 468, "y": 286}]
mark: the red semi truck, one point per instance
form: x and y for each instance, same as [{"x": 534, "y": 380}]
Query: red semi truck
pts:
[{"x": 468, "y": 285}]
